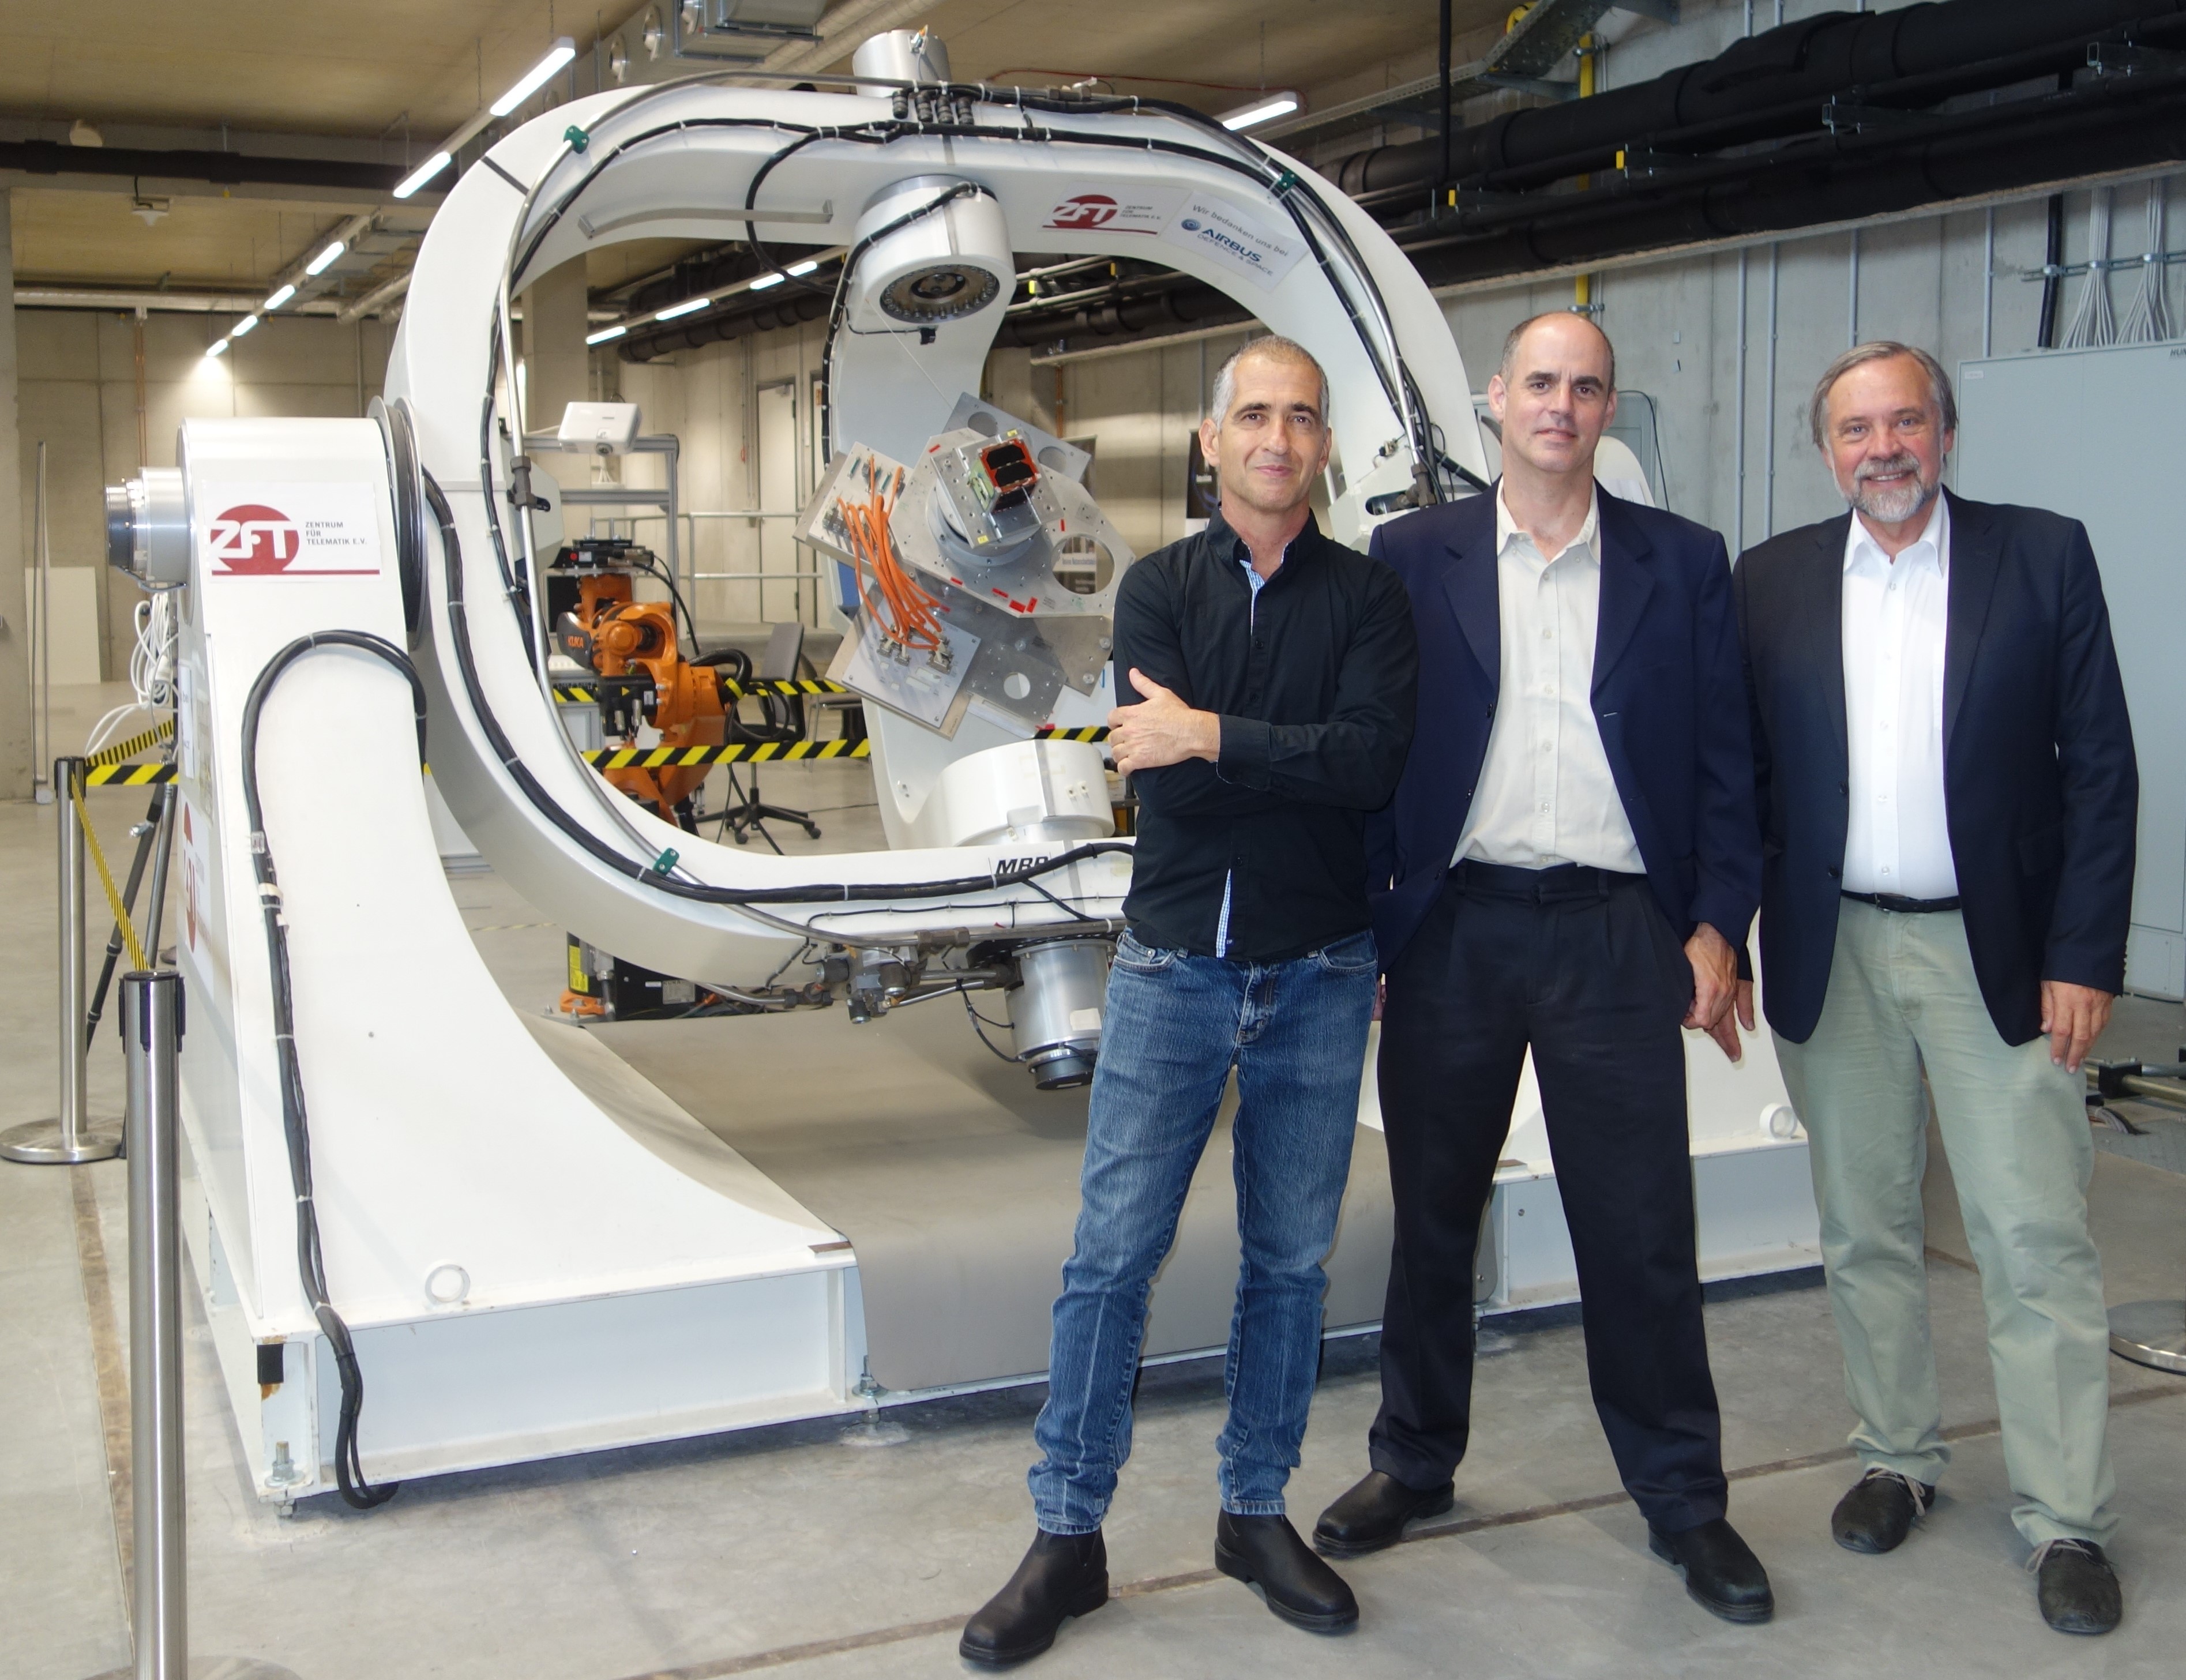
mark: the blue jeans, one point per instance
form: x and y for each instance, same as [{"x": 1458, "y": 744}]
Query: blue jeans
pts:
[{"x": 1175, "y": 1025}]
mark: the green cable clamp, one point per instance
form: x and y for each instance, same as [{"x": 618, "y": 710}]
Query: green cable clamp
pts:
[
  {"x": 577, "y": 137},
  {"x": 665, "y": 861}
]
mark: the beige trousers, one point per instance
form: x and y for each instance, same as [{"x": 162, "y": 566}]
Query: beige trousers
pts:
[{"x": 1902, "y": 998}]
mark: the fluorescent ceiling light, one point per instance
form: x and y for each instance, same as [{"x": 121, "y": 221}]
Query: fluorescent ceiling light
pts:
[
  {"x": 766, "y": 280},
  {"x": 278, "y": 299},
  {"x": 424, "y": 172},
  {"x": 558, "y": 55},
  {"x": 801, "y": 267},
  {"x": 1265, "y": 110},
  {"x": 687, "y": 306},
  {"x": 220, "y": 349},
  {"x": 605, "y": 333},
  {"x": 248, "y": 324},
  {"x": 325, "y": 260}
]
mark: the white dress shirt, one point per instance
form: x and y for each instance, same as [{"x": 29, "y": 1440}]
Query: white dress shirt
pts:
[
  {"x": 1545, "y": 795},
  {"x": 1896, "y": 616}
]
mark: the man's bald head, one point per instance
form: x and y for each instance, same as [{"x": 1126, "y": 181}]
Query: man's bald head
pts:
[{"x": 1517, "y": 337}]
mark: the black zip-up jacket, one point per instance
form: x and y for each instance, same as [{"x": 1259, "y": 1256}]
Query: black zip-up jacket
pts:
[{"x": 1315, "y": 690}]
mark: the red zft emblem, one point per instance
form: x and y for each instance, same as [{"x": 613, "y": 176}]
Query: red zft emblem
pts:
[
  {"x": 1086, "y": 212},
  {"x": 253, "y": 540}
]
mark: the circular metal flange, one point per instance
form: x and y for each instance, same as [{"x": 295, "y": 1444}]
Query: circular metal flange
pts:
[
  {"x": 39, "y": 1144},
  {"x": 2151, "y": 1333}
]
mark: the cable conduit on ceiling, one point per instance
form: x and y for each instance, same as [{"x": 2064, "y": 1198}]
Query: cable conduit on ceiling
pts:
[{"x": 1771, "y": 85}]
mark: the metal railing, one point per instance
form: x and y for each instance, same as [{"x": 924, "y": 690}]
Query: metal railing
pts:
[
  {"x": 71, "y": 1138},
  {"x": 152, "y": 1024}
]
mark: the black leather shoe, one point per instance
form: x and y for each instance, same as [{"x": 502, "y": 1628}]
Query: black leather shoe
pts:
[
  {"x": 1878, "y": 1511},
  {"x": 1721, "y": 1572},
  {"x": 1266, "y": 1552},
  {"x": 1062, "y": 1576},
  {"x": 1373, "y": 1514},
  {"x": 2076, "y": 1587}
]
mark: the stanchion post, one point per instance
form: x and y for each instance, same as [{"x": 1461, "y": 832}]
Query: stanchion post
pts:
[
  {"x": 71, "y": 1139},
  {"x": 151, "y": 1032},
  {"x": 159, "y": 1595}
]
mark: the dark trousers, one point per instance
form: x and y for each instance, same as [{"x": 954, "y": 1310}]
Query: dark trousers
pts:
[{"x": 1583, "y": 965}]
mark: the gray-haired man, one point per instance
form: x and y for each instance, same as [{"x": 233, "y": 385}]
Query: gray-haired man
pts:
[
  {"x": 1947, "y": 798},
  {"x": 1277, "y": 670}
]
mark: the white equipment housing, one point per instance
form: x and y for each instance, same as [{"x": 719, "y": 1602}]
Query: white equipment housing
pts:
[{"x": 535, "y": 1250}]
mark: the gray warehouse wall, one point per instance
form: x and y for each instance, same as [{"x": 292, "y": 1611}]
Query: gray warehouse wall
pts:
[{"x": 77, "y": 393}]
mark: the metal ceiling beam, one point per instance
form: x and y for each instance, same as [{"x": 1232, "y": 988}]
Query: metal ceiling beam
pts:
[{"x": 36, "y": 296}]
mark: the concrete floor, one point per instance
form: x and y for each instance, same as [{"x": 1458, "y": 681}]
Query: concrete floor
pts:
[{"x": 806, "y": 1549}]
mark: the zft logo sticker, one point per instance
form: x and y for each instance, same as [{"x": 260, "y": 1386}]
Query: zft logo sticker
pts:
[
  {"x": 289, "y": 530},
  {"x": 1098, "y": 210},
  {"x": 254, "y": 538}
]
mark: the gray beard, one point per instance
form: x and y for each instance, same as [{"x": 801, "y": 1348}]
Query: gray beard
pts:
[{"x": 1892, "y": 506}]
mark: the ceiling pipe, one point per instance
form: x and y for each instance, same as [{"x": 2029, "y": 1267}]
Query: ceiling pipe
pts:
[
  {"x": 1769, "y": 85},
  {"x": 220, "y": 169}
]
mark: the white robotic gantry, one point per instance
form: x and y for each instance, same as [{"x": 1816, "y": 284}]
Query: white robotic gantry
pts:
[{"x": 532, "y": 1251}]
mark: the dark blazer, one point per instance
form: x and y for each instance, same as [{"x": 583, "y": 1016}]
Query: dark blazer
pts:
[
  {"x": 1667, "y": 697},
  {"x": 2039, "y": 782}
]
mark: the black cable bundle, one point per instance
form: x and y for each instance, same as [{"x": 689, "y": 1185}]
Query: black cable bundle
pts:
[{"x": 349, "y": 1470}]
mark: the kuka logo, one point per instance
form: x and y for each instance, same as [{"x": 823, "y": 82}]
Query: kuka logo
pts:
[
  {"x": 1084, "y": 213},
  {"x": 253, "y": 540}
]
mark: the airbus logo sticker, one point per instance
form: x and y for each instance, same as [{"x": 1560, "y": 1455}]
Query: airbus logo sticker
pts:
[{"x": 1235, "y": 238}]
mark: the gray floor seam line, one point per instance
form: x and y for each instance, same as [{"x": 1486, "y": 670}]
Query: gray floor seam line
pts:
[
  {"x": 783, "y": 1656},
  {"x": 111, "y": 1370}
]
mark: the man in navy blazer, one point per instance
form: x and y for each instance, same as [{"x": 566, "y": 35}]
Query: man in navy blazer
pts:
[
  {"x": 1569, "y": 864},
  {"x": 1947, "y": 798}
]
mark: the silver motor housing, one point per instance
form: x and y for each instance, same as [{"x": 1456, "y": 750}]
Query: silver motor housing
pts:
[{"x": 1055, "y": 1009}]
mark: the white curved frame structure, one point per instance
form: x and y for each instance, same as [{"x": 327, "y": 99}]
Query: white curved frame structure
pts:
[{"x": 535, "y": 1252}]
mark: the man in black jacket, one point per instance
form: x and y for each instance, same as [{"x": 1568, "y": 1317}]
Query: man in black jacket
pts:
[
  {"x": 1569, "y": 866},
  {"x": 1947, "y": 798},
  {"x": 1275, "y": 671}
]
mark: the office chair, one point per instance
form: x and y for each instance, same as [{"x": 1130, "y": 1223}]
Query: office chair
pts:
[{"x": 784, "y": 722}]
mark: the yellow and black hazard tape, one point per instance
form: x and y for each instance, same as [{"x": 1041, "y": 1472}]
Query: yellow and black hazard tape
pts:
[
  {"x": 127, "y": 776},
  {"x": 584, "y": 694},
  {"x": 684, "y": 757},
  {"x": 622, "y": 757},
  {"x": 122, "y": 750}
]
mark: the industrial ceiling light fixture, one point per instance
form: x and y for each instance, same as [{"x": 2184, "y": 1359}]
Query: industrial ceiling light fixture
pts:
[
  {"x": 689, "y": 306},
  {"x": 1267, "y": 108},
  {"x": 248, "y": 324},
  {"x": 766, "y": 280},
  {"x": 798, "y": 269},
  {"x": 325, "y": 260},
  {"x": 277, "y": 300},
  {"x": 425, "y": 172},
  {"x": 220, "y": 349},
  {"x": 558, "y": 55},
  {"x": 605, "y": 333}
]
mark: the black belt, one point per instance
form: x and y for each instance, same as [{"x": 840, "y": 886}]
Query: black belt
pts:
[
  {"x": 1901, "y": 906},
  {"x": 1538, "y": 886}
]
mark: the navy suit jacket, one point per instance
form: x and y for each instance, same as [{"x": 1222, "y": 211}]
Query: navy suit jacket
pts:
[
  {"x": 1668, "y": 697},
  {"x": 2040, "y": 788}
]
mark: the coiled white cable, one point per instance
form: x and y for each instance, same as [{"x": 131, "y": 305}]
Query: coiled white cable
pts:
[{"x": 151, "y": 668}]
